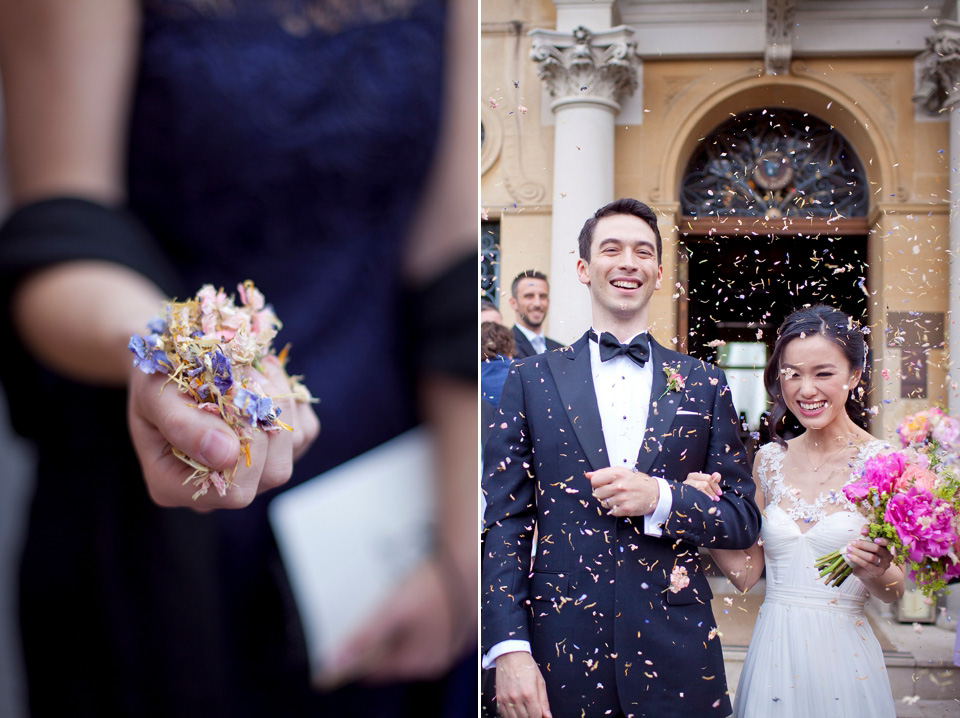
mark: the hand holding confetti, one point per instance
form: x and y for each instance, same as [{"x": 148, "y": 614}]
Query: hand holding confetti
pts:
[{"x": 220, "y": 357}]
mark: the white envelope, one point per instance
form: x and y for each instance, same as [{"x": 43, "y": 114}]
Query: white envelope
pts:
[{"x": 350, "y": 534}]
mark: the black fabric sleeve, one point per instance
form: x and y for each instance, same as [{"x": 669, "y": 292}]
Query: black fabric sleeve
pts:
[
  {"x": 48, "y": 232},
  {"x": 64, "y": 229},
  {"x": 445, "y": 317}
]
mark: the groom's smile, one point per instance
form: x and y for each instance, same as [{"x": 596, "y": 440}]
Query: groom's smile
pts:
[{"x": 622, "y": 272}]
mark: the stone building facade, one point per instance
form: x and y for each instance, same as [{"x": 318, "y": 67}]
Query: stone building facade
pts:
[{"x": 796, "y": 151}]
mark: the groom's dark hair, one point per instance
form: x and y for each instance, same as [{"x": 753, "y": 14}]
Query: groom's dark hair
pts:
[{"x": 625, "y": 205}]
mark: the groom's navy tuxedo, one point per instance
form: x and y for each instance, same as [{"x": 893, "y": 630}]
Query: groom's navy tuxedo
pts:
[{"x": 606, "y": 630}]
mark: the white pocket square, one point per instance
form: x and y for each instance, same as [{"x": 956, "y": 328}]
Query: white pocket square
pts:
[{"x": 683, "y": 412}]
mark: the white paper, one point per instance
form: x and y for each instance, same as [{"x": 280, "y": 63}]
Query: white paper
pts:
[{"x": 350, "y": 534}]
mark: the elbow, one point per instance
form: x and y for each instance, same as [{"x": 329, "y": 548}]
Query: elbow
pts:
[{"x": 749, "y": 582}]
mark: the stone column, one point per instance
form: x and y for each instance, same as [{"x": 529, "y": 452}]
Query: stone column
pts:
[
  {"x": 587, "y": 73},
  {"x": 938, "y": 90}
]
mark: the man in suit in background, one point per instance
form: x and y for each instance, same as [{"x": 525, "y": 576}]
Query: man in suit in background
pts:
[
  {"x": 530, "y": 299},
  {"x": 588, "y": 453}
]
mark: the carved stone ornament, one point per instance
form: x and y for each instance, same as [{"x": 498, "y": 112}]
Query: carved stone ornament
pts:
[
  {"x": 600, "y": 66},
  {"x": 938, "y": 69},
  {"x": 778, "y": 45}
]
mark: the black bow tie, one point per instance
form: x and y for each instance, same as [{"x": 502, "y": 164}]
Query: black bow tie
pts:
[{"x": 638, "y": 349}]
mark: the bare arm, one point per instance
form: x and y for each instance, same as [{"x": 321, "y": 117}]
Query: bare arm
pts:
[
  {"x": 67, "y": 73},
  {"x": 742, "y": 567},
  {"x": 68, "y": 70}
]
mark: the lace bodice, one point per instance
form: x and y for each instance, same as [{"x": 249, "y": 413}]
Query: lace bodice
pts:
[{"x": 770, "y": 471}]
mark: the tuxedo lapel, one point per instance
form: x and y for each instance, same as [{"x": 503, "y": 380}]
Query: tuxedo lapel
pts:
[
  {"x": 663, "y": 405},
  {"x": 571, "y": 371}
]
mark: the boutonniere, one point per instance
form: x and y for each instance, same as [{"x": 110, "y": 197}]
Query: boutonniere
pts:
[{"x": 674, "y": 379}]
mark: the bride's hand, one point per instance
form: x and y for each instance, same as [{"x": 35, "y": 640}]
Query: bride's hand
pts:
[
  {"x": 707, "y": 483},
  {"x": 870, "y": 558}
]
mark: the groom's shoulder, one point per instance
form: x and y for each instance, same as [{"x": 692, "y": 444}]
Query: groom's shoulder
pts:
[{"x": 670, "y": 357}]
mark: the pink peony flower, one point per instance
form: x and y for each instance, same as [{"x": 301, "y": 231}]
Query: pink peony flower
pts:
[
  {"x": 882, "y": 471},
  {"x": 923, "y": 523},
  {"x": 918, "y": 476},
  {"x": 856, "y": 491}
]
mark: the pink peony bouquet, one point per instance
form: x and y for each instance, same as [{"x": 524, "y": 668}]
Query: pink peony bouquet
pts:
[
  {"x": 203, "y": 345},
  {"x": 912, "y": 498}
]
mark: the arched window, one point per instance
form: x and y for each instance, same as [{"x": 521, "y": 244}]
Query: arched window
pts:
[{"x": 772, "y": 164}]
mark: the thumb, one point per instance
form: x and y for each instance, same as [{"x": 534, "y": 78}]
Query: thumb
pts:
[
  {"x": 198, "y": 433},
  {"x": 544, "y": 703}
]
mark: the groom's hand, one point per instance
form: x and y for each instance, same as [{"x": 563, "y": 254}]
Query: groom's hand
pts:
[
  {"x": 623, "y": 492},
  {"x": 521, "y": 691}
]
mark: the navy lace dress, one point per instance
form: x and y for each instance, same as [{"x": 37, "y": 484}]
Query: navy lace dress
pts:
[{"x": 285, "y": 142}]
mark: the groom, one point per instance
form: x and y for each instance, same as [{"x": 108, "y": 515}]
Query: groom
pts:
[{"x": 588, "y": 453}]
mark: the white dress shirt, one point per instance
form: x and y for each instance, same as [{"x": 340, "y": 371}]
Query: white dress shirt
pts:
[
  {"x": 623, "y": 396},
  {"x": 537, "y": 341}
]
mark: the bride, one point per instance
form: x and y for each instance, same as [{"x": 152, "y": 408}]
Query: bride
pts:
[{"x": 813, "y": 652}]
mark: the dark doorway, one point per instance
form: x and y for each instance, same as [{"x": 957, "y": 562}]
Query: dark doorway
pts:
[{"x": 738, "y": 290}]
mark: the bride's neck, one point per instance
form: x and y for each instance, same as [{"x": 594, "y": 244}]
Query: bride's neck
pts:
[{"x": 833, "y": 435}]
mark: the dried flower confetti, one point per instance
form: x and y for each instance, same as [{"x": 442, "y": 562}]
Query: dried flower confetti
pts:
[
  {"x": 203, "y": 345},
  {"x": 678, "y": 579}
]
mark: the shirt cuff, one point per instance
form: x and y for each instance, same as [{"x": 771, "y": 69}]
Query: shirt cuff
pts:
[
  {"x": 653, "y": 522},
  {"x": 489, "y": 660}
]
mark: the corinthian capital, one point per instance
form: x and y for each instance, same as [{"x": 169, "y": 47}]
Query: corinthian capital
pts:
[
  {"x": 938, "y": 69},
  {"x": 599, "y": 66}
]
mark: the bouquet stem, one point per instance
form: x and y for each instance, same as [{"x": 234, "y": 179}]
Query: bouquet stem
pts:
[{"x": 833, "y": 568}]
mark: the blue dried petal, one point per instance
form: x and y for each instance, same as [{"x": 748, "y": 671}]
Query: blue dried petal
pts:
[
  {"x": 256, "y": 408},
  {"x": 157, "y": 325},
  {"x": 222, "y": 373},
  {"x": 147, "y": 359}
]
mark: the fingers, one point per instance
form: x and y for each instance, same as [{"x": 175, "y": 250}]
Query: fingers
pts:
[
  {"x": 872, "y": 557},
  {"x": 521, "y": 691},
  {"x": 709, "y": 484},
  {"x": 160, "y": 417},
  {"x": 299, "y": 415},
  {"x": 544, "y": 703},
  {"x": 198, "y": 434},
  {"x": 409, "y": 637},
  {"x": 622, "y": 492},
  {"x": 601, "y": 477}
]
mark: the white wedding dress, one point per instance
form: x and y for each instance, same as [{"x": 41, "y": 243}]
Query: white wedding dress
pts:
[{"x": 813, "y": 653}]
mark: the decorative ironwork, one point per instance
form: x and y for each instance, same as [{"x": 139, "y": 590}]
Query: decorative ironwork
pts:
[
  {"x": 490, "y": 261},
  {"x": 774, "y": 164}
]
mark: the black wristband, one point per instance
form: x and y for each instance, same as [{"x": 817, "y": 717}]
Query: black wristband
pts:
[
  {"x": 64, "y": 229},
  {"x": 445, "y": 316},
  {"x": 49, "y": 232}
]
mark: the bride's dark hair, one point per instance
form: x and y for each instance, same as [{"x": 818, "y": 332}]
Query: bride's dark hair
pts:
[{"x": 831, "y": 324}]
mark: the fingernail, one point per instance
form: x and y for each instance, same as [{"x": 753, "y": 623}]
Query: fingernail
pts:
[
  {"x": 878, "y": 540},
  {"x": 215, "y": 448}
]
